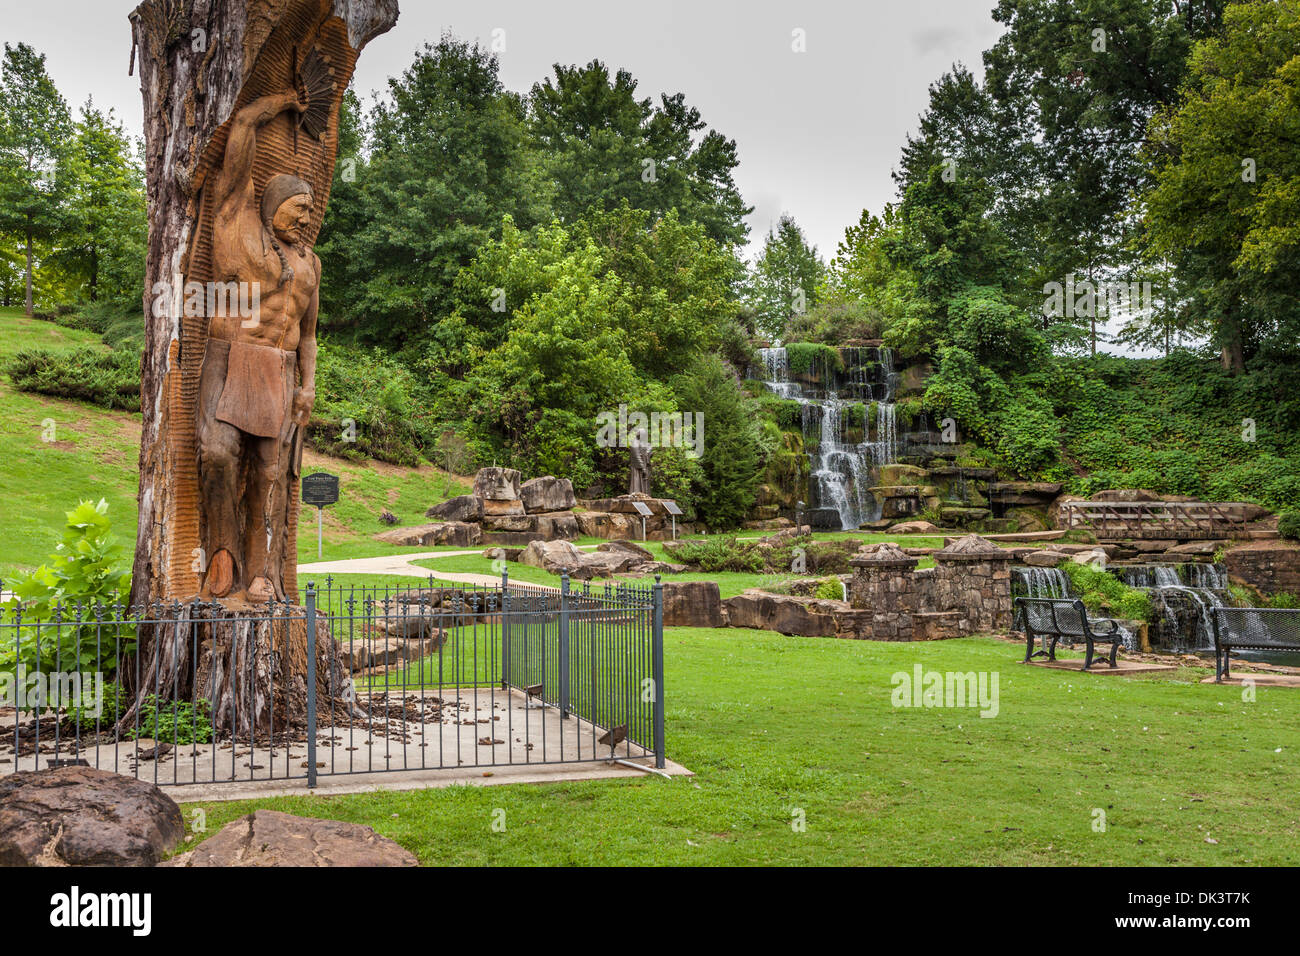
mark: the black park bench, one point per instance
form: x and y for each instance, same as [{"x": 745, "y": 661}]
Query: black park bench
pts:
[
  {"x": 1255, "y": 629},
  {"x": 1065, "y": 619}
]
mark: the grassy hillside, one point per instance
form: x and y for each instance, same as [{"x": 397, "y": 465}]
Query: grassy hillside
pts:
[{"x": 95, "y": 453}]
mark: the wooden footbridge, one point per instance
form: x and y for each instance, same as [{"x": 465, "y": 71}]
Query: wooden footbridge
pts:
[{"x": 1159, "y": 520}]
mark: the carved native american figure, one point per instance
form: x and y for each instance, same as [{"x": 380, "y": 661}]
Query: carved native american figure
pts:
[{"x": 258, "y": 380}]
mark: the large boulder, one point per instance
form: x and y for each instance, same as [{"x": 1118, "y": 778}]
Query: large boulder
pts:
[
  {"x": 603, "y": 564},
  {"x": 598, "y": 524},
  {"x": 804, "y": 617},
  {"x": 914, "y": 527},
  {"x": 461, "y": 533},
  {"x": 272, "y": 838},
  {"x": 693, "y": 604},
  {"x": 552, "y": 556},
  {"x": 519, "y": 522},
  {"x": 79, "y": 816},
  {"x": 497, "y": 484},
  {"x": 1046, "y": 559},
  {"x": 631, "y": 547},
  {"x": 502, "y": 507},
  {"x": 560, "y": 524},
  {"x": 460, "y": 508},
  {"x": 547, "y": 494}
]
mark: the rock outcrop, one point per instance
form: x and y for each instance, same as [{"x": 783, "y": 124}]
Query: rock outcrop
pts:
[
  {"x": 80, "y": 816},
  {"x": 272, "y": 838}
]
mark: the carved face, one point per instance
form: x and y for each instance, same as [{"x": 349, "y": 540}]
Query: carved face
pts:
[{"x": 292, "y": 219}]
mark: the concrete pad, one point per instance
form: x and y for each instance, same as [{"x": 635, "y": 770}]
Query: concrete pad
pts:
[
  {"x": 1121, "y": 666},
  {"x": 338, "y": 784},
  {"x": 479, "y": 736},
  {"x": 1260, "y": 680}
]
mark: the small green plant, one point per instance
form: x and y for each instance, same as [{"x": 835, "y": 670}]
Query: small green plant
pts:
[
  {"x": 109, "y": 379},
  {"x": 1288, "y": 524},
  {"x": 175, "y": 722},
  {"x": 58, "y": 603},
  {"x": 719, "y": 554},
  {"x": 1107, "y": 594},
  {"x": 91, "y": 715},
  {"x": 830, "y": 589}
]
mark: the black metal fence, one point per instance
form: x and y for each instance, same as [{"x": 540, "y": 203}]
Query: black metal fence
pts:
[{"x": 357, "y": 680}]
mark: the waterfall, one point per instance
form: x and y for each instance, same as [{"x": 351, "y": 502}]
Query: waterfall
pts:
[
  {"x": 776, "y": 365},
  {"x": 1185, "y": 596},
  {"x": 885, "y": 448},
  {"x": 1042, "y": 582},
  {"x": 841, "y": 470}
]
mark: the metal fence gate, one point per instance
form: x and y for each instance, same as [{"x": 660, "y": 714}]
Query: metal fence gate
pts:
[{"x": 357, "y": 680}]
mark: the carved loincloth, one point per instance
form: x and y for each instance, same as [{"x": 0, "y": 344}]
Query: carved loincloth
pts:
[{"x": 249, "y": 386}]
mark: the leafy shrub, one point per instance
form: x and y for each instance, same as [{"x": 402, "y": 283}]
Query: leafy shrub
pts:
[
  {"x": 81, "y": 576},
  {"x": 1288, "y": 524},
  {"x": 87, "y": 374},
  {"x": 370, "y": 406},
  {"x": 806, "y": 357},
  {"x": 718, "y": 554},
  {"x": 830, "y": 589},
  {"x": 174, "y": 721},
  {"x": 1104, "y": 593}
]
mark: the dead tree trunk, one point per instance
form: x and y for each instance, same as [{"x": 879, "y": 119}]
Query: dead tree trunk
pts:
[{"x": 199, "y": 62}]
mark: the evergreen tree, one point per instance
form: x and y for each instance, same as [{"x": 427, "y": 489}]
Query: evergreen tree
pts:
[{"x": 35, "y": 129}]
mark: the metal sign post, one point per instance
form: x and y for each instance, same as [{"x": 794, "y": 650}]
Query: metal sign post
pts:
[
  {"x": 320, "y": 489},
  {"x": 644, "y": 511},
  {"x": 673, "y": 510}
]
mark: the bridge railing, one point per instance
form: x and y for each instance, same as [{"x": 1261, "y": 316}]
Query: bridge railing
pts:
[{"x": 1158, "y": 519}]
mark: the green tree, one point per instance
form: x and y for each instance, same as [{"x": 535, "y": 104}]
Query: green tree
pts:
[
  {"x": 449, "y": 156},
  {"x": 602, "y": 146},
  {"x": 1225, "y": 204},
  {"x": 106, "y": 225},
  {"x": 1082, "y": 78},
  {"x": 729, "y": 466},
  {"x": 785, "y": 279},
  {"x": 35, "y": 129}
]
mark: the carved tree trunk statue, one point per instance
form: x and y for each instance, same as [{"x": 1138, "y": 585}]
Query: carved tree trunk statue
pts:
[{"x": 241, "y": 101}]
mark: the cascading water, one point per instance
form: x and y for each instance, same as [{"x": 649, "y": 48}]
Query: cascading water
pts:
[
  {"x": 841, "y": 469},
  {"x": 1185, "y": 596},
  {"x": 1041, "y": 582},
  {"x": 1054, "y": 583}
]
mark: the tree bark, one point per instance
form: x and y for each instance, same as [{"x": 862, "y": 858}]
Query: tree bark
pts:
[
  {"x": 1232, "y": 354},
  {"x": 200, "y": 62},
  {"x": 28, "y": 312}
]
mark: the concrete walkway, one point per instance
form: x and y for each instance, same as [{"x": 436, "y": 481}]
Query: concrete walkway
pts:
[{"x": 401, "y": 565}]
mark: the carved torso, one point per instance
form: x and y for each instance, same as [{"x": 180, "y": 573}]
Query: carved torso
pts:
[{"x": 243, "y": 253}]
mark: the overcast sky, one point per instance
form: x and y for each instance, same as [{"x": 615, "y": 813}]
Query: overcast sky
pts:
[{"x": 817, "y": 132}]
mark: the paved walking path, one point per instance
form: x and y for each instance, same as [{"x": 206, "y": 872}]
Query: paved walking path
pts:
[{"x": 401, "y": 565}]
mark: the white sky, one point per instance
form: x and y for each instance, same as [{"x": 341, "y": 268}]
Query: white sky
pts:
[{"x": 817, "y": 132}]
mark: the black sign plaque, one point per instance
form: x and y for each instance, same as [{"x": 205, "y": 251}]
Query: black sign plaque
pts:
[{"x": 320, "y": 489}]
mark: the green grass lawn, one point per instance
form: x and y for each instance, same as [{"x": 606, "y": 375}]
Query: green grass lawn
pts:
[
  {"x": 774, "y": 725},
  {"x": 93, "y": 454}
]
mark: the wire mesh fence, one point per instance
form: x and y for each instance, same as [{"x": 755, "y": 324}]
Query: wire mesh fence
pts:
[{"x": 356, "y": 680}]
